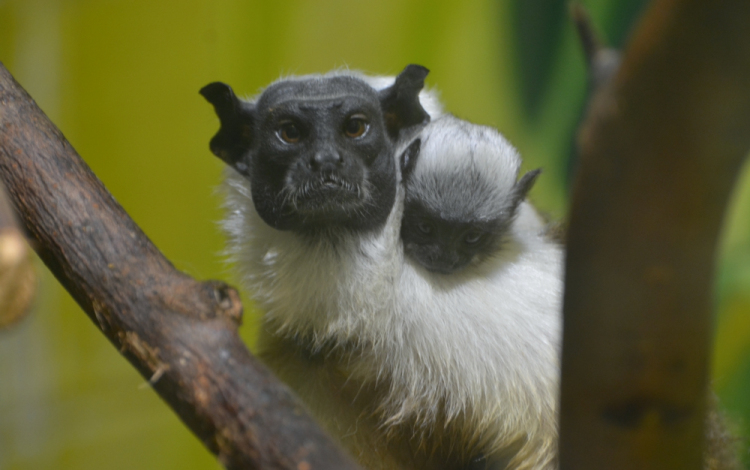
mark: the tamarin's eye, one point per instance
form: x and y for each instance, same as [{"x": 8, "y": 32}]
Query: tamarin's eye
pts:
[
  {"x": 425, "y": 227},
  {"x": 472, "y": 237},
  {"x": 289, "y": 132},
  {"x": 356, "y": 126}
]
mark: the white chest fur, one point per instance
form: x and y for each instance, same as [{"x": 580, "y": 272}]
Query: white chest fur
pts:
[{"x": 477, "y": 348}]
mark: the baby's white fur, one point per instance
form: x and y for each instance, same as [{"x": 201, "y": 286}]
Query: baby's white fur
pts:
[{"x": 464, "y": 170}]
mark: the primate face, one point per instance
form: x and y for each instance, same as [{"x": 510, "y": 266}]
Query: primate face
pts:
[
  {"x": 447, "y": 245},
  {"x": 318, "y": 150},
  {"x": 323, "y": 156}
]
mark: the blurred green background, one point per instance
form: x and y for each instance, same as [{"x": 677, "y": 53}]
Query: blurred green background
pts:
[{"x": 121, "y": 79}]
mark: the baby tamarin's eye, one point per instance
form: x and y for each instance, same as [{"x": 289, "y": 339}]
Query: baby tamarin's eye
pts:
[
  {"x": 425, "y": 227},
  {"x": 356, "y": 126},
  {"x": 472, "y": 237}
]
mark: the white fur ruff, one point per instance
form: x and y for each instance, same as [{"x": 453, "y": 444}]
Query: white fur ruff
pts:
[{"x": 479, "y": 347}]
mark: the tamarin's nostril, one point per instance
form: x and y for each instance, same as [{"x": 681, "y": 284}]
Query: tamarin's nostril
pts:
[{"x": 323, "y": 159}]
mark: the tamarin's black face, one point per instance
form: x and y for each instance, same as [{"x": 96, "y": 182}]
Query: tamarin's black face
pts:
[
  {"x": 447, "y": 245},
  {"x": 323, "y": 156},
  {"x": 318, "y": 151}
]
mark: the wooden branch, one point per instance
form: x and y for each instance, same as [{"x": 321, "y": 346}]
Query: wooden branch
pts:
[
  {"x": 179, "y": 333},
  {"x": 661, "y": 148}
]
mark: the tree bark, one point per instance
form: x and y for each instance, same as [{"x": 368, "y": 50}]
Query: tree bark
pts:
[
  {"x": 179, "y": 333},
  {"x": 660, "y": 151}
]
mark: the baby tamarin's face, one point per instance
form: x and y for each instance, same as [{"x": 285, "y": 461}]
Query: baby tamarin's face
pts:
[{"x": 446, "y": 245}]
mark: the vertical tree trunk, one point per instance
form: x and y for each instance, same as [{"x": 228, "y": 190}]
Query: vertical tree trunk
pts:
[{"x": 661, "y": 148}]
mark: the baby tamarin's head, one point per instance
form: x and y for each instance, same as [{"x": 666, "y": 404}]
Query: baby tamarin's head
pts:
[{"x": 461, "y": 193}]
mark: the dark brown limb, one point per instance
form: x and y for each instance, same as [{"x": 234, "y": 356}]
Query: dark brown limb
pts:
[
  {"x": 660, "y": 151},
  {"x": 179, "y": 333}
]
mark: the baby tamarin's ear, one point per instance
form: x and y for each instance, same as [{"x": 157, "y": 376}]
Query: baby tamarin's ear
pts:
[{"x": 524, "y": 185}]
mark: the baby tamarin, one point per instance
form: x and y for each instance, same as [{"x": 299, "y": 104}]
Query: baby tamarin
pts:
[
  {"x": 462, "y": 196},
  {"x": 466, "y": 219}
]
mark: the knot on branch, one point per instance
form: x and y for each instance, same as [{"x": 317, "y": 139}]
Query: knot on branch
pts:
[{"x": 226, "y": 299}]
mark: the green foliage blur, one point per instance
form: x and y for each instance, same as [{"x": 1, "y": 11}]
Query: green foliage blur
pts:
[{"x": 121, "y": 79}]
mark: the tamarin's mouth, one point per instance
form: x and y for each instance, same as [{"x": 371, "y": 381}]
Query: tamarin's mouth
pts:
[
  {"x": 332, "y": 181},
  {"x": 325, "y": 192}
]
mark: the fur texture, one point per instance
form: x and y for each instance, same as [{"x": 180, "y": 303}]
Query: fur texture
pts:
[
  {"x": 464, "y": 170},
  {"x": 476, "y": 352}
]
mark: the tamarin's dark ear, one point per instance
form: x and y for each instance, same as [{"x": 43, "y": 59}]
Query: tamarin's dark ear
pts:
[
  {"x": 408, "y": 159},
  {"x": 235, "y": 136},
  {"x": 400, "y": 101},
  {"x": 524, "y": 185}
]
